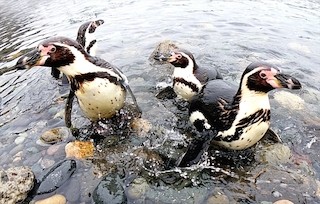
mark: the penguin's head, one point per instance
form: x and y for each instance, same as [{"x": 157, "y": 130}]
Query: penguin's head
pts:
[
  {"x": 53, "y": 52},
  {"x": 178, "y": 58},
  {"x": 264, "y": 77}
]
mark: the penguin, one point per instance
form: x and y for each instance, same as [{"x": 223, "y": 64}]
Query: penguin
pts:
[
  {"x": 188, "y": 78},
  {"x": 232, "y": 118},
  {"x": 87, "y": 39},
  {"x": 99, "y": 86}
]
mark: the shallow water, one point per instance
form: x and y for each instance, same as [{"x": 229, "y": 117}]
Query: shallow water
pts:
[{"x": 227, "y": 35}]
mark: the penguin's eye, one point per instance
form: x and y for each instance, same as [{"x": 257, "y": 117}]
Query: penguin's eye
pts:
[
  {"x": 52, "y": 49},
  {"x": 263, "y": 75},
  {"x": 179, "y": 56}
]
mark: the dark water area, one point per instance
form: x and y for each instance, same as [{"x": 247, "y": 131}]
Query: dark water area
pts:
[{"x": 227, "y": 35}]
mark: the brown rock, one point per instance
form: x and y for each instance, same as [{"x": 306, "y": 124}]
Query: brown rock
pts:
[
  {"x": 79, "y": 149},
  {"x": 56, "y": 199},
  {"x": 283, "y": 202}
]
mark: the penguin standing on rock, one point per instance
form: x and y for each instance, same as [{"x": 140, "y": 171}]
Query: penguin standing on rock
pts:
[
  {"x": 99, "y": 86},
  {"x": 234, "y": 119},
  {"x": 87, "y": 39},
  {"x": 188, "y": 78}
]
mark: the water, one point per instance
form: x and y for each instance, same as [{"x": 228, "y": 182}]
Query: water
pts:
[{"x": 227, "y": 35}]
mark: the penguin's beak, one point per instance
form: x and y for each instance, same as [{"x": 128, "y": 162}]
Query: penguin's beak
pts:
[
  {"x": 29, "y": 60},
  {"x": 286, "y": 81}
]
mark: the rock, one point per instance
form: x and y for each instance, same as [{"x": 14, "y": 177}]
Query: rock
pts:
[
  {"x": 289, "y": 100},
  {"x": 220, "y": 198},
  {"x": 46, "y": 163},
  {"x": 164, "y": 47},
  {"x": 150, "y": 159},
  {"x": 137, "y": 188},
  {"x": 54, "y": 149},
  {"x": 19, "y": 140},
  {"x": 56, "y": 199},
  {"x": 141, "y": 126},
  {"x": 55, "y": 135},
  {"x": 73, "y": 191},
  {"x": 15, "y": 183},
  {"x": 109, "y": 190},
  {"x": 56, "y": 176},
  {"x": 79, "y": 149},
  {"x": 283, "y": 202},
  {"x": 275, "y": 154}
]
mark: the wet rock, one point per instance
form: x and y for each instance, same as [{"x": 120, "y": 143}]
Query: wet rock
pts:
[
  {"x": 150, "y": 159},
  {"x": 283, "y": 202},
  {"x": 310, "y": 95},
  {"x": 55, "y": 135},
  {"x": 219, "y": 198},
  {"x": 164, "y": 47},
  {"x": 166, "y": 93},
  {"x": 73, "y": 191},
  {"x": 15, "y": 183},
  {"x": 56, "y": 176},
  {"x": 52, "y": 150},
  {"x": 109, "y": 190},
  {"x": 141, "y": 126},
  {"x": 137, "y": 189},
  {"x": 289, "y": 100},
  {"x": 275, "y": 154},
  {"x": 79, "y": 149},
  {"x": 56, "y": 199},
  {"x": 46, "y": 163},
  {"x": 19, "y": 140},
  {"x": 16, "y": 149},
  {"x": 270, "y": 182}
]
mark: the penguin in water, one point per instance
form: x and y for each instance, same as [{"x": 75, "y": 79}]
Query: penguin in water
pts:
[
  {"x": 87, "y": 39},
  {"x": 234, "y": 119},
  {"x": 188, "y": 78},
  {"x": 99, "y": 86}
]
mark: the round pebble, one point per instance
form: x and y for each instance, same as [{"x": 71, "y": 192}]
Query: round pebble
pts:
[
  {"x": 53, "y": 149},
  {"x": 15, "y": 183},
  {"x": 19, "y": 140},
  {"x": 141, "y": 126},
  {"x": 283, "y": 202},
  {"x": 137, "y": 188},
  {"x": 54, "y": 135},
  {"x": 276, "y": 194},
  {"x": 46, "y": 163},
  {"x": 56, "y": 199}
]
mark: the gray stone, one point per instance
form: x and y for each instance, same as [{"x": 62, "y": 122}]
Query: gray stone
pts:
[{"x": 15, "y": 183}]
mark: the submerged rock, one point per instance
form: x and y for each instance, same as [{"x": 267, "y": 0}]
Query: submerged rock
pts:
[
  {"x": 79, "y": 149},
  {"x": 275, "y": 154},
  {"x": 56, "y": 176},
  {"x": 55, "y": 135},
  {"x": 15, "y": 183},
  {"x": 56, "y": 199},
  {"x": 141, "y": 126},
  {"x": 137, "y": 189},
  {"x": 109, "y": 190}
]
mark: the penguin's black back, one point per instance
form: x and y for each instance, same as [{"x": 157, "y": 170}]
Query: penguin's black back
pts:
[{"x": 209, "y": 102}]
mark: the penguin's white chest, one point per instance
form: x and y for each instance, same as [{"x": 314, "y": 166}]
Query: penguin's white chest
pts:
[
  {"x": 250, "y": 136},
  {"x": 184, "y": 91},
  {"x": 186, "y": 85},
  {"x": 100, "y": 99}
]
